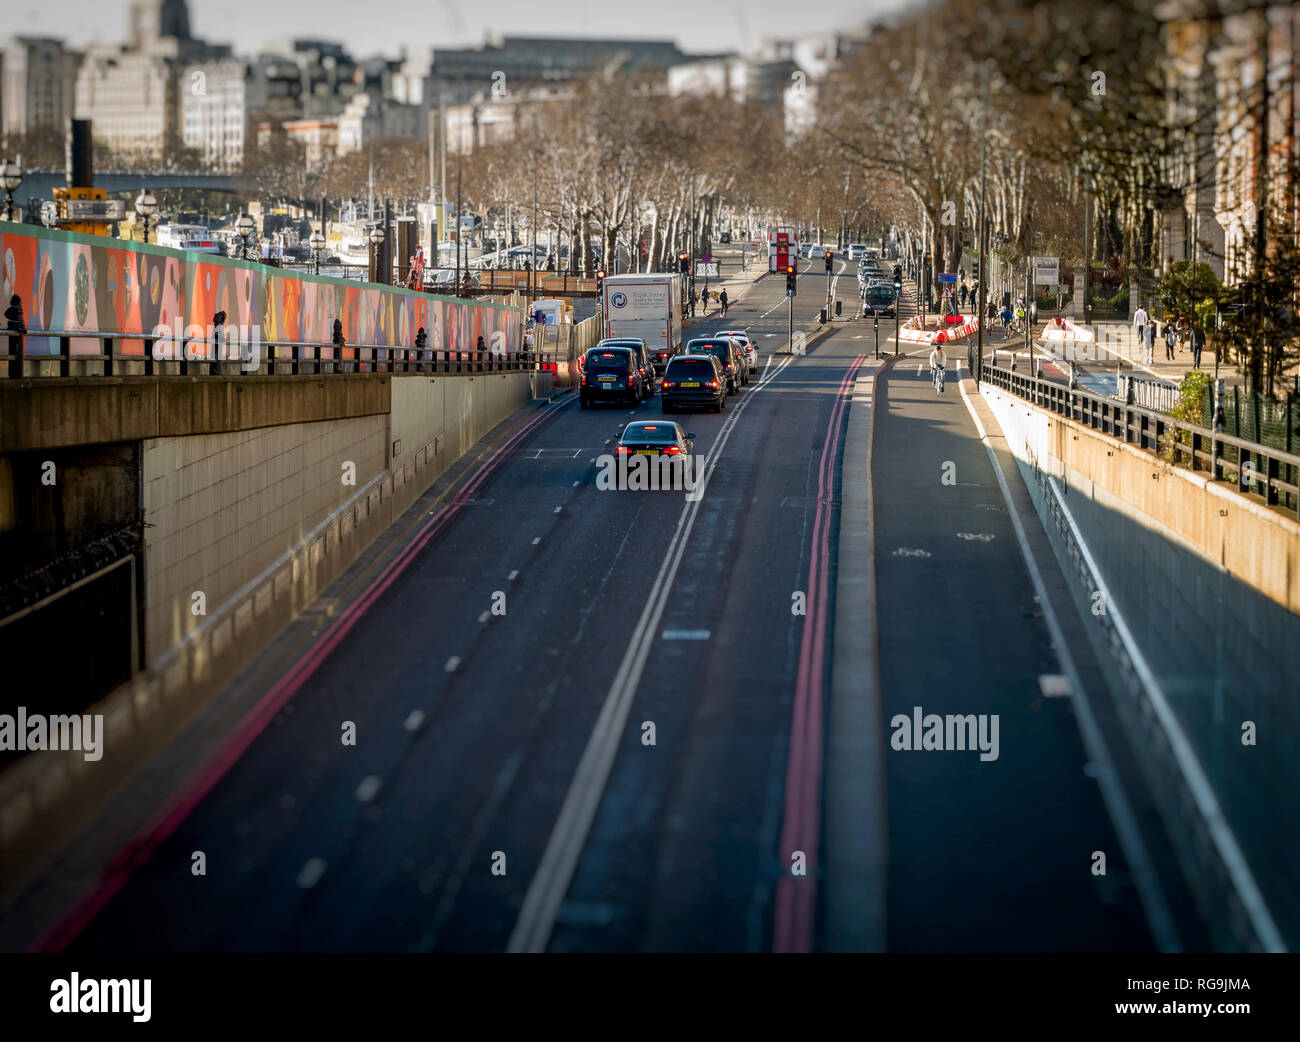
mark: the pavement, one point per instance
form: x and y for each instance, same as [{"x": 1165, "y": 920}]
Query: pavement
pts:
[{"x": 592, "y": 720}]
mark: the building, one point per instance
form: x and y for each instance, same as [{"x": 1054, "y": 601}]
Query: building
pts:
[
  {"x": 1235, "y": 103},
  {"x": 369, "y": 115},
  {"x": 219, "y": 103},
  {"x": 319, "y": 139},
  {"x": 38, "y": 86},
  {"x": 132, "y": 93}
]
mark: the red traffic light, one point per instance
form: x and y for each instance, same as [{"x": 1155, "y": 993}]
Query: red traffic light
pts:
[
  {"x": 600, "y": 274},
  {"x": 790, "y": 270}
]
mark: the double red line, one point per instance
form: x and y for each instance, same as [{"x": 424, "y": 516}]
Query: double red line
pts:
[{"x": 796, "y": 896}]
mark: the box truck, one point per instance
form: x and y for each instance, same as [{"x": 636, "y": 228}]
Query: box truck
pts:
[{"x": 648, "y": 307}]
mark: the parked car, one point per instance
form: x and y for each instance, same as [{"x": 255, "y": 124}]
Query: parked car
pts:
[
  {"x": 610, "y": 374},
  {"x": 693, "y": 381}
]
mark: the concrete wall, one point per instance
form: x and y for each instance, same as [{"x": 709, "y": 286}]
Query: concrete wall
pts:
[
  {"x": 219, "y": 508},
  {"x": 1205, "y": 582}
]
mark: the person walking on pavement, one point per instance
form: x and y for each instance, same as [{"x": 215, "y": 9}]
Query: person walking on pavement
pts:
[
  {"x": 15, "y": 324},
  {"x": 962, "y": 296},
  {"x": 1149, "y": 340},
  {"x": 1198, "y": 345},
  {"x": 1169, "y": 341},
  {"x": 1140, "y": 319},
  {"x": 722, "y": 299}
]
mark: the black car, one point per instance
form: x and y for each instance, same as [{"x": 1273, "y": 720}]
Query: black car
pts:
[
  {"x": 694, "y": 381},
  {"x": 610, "y": 374},
  {"x": 644, "y": 361},
  {"x": 727, "y": 352},
  {"x": 878, "y": 300}
]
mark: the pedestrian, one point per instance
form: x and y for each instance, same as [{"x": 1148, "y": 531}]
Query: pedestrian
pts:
[
  {"x": 218, "y": 323},
  {"x": 722, "y": 299},
  {"x": 337, "y": 337},
  {"x": 1182, "y": 330},
  {"x": 1198, "y": 345},
  {"x": 1169, "y": 341},
  {"x": 1149, "y": 340},
  {"x": 690, "y": 299},
  {"x": 962, "y": 297},
  {"x": 421, "y": 340},
  {"x": 15, "y": 324}
]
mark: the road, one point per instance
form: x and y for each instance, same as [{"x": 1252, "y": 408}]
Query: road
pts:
[{"x": 628, "y": 756}]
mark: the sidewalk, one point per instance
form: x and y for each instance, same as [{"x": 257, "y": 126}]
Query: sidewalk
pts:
[{"x": 735, "y": 281}]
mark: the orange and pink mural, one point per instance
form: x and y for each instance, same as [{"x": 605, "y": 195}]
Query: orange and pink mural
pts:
[{"x": 70, "y": 283}]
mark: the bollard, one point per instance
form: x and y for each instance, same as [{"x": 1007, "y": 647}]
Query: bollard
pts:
[
  {"x": 823, "y": 317},
  {"x": 838, "y": 305}
]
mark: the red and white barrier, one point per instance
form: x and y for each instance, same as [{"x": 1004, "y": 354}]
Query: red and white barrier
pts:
[
  {"x": 1062, "y": 330},
  {"x": 941, "y": 333}
]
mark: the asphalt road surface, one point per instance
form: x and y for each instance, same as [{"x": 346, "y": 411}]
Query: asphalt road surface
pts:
[{"x": 579, "y": 713}]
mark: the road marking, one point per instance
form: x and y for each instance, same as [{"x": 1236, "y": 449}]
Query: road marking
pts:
[
  {"x": 575, "y": 484},
  {"x": 558, "y": 509},
  {"x": 369, "y": 788},
  {"x": 685, "y": 635},
  {"x": 1094, "y": 743},
  {"x": 536, "y": 539},
  {"x": 485, "y": 616},
  {"x": 310, "y": 873},
  {"x": 513, "y": 575},
  {"x": 452, "y": 664},
  {"x": 907, "y": 551},
  {"x": 554, "y": 873},
  {"x": 983, "y": 537},
  {"x": 1054, "y": 685},
  {"x": 413, "y": 722}
]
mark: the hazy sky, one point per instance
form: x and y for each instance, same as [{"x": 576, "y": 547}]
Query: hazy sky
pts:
[{"x": 383, "y": 26}]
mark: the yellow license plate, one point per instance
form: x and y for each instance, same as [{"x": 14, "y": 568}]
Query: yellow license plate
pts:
[
  {"x": 690, "y": 385},
  {"x": 647, "y": 452}
]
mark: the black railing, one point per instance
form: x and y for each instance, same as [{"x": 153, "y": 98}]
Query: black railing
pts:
[
  {"x": 222, "y": 356},
  {"x": 1250, "y": 466}
]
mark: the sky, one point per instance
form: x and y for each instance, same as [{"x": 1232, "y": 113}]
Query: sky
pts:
[{"x": 384, "y": 26}]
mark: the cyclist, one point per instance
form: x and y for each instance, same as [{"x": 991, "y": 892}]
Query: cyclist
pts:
[
  {"x": 1006, "y": 317},
  {"x": 938, "y": 364}
]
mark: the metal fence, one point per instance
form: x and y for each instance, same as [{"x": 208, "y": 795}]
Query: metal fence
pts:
[
  {"x": 1270, "y": 421},
  {"x": 219, "y": 356},
  {"x": 1253, "y": 467}
]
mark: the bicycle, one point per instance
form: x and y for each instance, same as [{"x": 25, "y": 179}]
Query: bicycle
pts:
[{"x": 937, "y": 373}]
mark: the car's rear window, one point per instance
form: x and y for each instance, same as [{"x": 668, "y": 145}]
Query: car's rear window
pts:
[
  {"x": 649, "y": 432},
  {"x": 690, "y": 369},
  {"x": 615, "y": 359}
]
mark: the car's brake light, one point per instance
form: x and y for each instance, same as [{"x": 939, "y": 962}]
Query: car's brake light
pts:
[
  {"x": 584, "y": 380},
  {"x": 672, "y": 450},
  {"x": 622, "y": 450},
  {"x": 712, "y": 383},
  {"x": 668, "y": 384}
]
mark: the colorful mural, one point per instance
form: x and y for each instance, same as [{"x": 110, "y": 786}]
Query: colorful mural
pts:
[{"x": 70, "y": 283}]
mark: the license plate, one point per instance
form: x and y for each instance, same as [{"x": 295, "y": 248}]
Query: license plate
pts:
[
  {"x": 647, "y": 452},
  {"x": 606, "y": 379},
  {"x": 691, "y": 384}
]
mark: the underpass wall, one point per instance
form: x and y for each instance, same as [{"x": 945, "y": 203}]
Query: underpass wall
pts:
[
  {"x": 1194, "y": 592},
  {"x": 261, "y": 523}
]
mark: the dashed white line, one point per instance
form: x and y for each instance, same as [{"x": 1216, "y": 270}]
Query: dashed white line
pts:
[
  {"x": 413, "y": 722},
  {"x": 515, "y": 574},
  {"x": 369, "y": 788},
  {"x": 536, "y": 539},
  {"x": 485, "y": 616},
  {"x": 453, "y": 664}
]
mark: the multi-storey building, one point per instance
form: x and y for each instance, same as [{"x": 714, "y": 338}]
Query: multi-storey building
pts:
[{"x": 38, "y": 87}]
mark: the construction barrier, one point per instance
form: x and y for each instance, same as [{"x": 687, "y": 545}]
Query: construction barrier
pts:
[
  {"x": 1065, "y": 331},
  {"x": 942, "y": 333}
]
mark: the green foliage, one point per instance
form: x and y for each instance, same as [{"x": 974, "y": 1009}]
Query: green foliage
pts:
[
  {"x": 1185, "y": 285},
  {"x": 1190, "y": 408}
]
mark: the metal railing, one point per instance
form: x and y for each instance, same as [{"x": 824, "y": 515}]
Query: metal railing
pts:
[
  {"x": 1253, "y": 468},
  {"x": 222, "y": 356}
]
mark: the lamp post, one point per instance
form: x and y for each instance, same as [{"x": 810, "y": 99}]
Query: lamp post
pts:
[
  {"x": 11, "y": 177},
  {"x": 146, "y": 206},
  {"x": 244, "y": 227},
  {"x": 317, "y": 243},
  {"x": 376, "y": 255}
]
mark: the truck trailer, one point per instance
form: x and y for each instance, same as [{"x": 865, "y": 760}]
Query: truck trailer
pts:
[{"x": 648, "y": 307}]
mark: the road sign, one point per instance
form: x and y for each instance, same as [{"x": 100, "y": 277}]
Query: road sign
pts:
[
  {"x": 1047, "y": 271},
  {"x": 705, "y": 270},
  {"x": 948, "y": 276}
]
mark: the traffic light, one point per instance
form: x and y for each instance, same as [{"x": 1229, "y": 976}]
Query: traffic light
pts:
[
  {"x": 829, "y": 257},
  {"x": 684, "y": 263},
  {"x": 790, "y": 281},
  {"x": 600, "y": 279}
]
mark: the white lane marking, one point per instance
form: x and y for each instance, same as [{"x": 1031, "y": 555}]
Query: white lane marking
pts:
[
  {"x": 1094, "y": 743},
  {"x": 452, "y": 664},
  {"x": 536, "y": 539},
  {"x": 554, "y": 873},
  {"x": 485, "y": 616},
  {"x": 413, "y": 722},
  {"x": 558, "y": 509},
  {"x": 1054, "y": 685},
  {"x": 575, "y": 484},
  {"x": 369, "y": 788},
  {"x": 685, "y": 635},
  {"x": 515, "y": 574},
  {"x": 310, "y": 873}
]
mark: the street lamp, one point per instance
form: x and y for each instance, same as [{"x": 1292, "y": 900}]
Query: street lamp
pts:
[
  {"x": 11, "y": 177},
  {"x": 376, "y": 240},
  {"x": 317, "y": 243},
  {"x": 146, "y": 206},
  {"x": 244, "y": 228}
]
